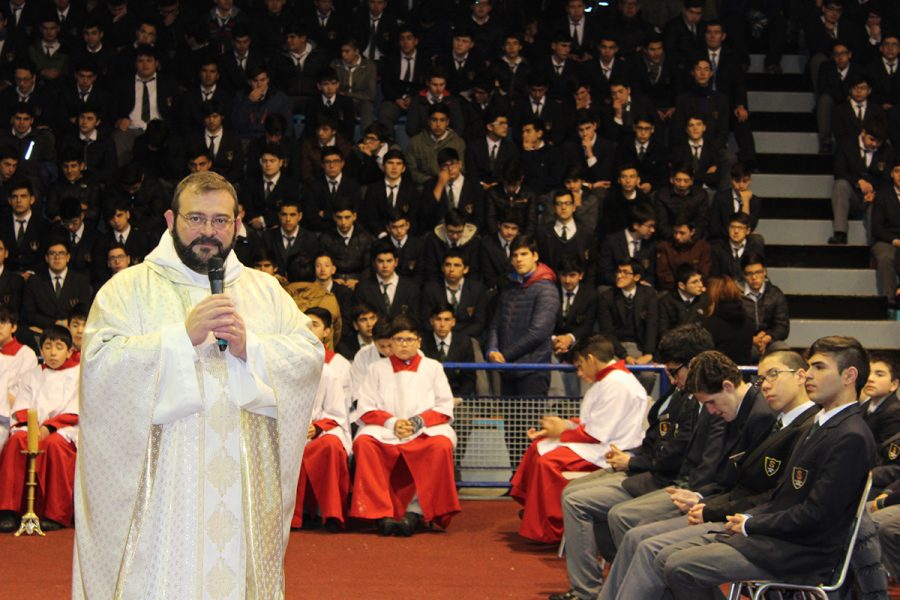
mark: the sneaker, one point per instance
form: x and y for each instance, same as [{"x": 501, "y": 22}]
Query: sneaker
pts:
[{"x": 838, "y": 239}]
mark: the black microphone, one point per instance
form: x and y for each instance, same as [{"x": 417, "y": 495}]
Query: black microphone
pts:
[{"x": 217, "y": 286}]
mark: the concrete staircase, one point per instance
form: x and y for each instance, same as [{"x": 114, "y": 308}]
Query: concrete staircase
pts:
[{"x": 830, "y": 290}]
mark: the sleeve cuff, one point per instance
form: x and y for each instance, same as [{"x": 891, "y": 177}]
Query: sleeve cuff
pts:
[
  {"x": 390, "y": 423},
  {"x": 178, "y": 391},
  {"x": 254, "y": 391},
  {"x": 744, "y": 524}
]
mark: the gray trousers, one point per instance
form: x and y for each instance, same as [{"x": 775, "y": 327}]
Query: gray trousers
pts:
[
  {"x": 695, "y": 567},
  {"x": 632, "y": 574},
  {"x": 888, "y": 522},
  {"x": 844, "y": 200},
  {"x": 655, "y": 506},
  {"x": 883, "y": 254},
  {"x": 585, "y": 502}
]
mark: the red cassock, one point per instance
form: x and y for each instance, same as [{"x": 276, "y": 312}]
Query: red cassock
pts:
[
  {"x": 612, "y": 412},
  {"x": 324, "y": 483},
  {"x": 54, "y": 394},
  {"x": 391, "y": 471}
]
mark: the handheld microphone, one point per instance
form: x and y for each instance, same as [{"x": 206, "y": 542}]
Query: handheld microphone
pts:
[{"x": 217, "y": 286}]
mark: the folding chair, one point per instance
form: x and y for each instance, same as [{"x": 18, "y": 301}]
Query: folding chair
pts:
[{"x": 758, "y": 589}]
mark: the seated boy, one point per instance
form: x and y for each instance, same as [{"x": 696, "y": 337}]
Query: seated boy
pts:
[
  {"x": 75, "y": 324},
  {"x": 15, "y": 357},
  {"x": 404, "y": 448},
  {"x": 53, "y": 391},
  {"x": 324, "y": 484},
  {"x": 612, "y": 414}
]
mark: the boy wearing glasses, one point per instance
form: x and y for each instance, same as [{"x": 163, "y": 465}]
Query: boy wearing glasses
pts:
[
  {"x": 404, "y": 448},
  {"x": 53, "y": 292},
  {"x": 765, "y": 303},
  {"x": 781, "y": 381}
]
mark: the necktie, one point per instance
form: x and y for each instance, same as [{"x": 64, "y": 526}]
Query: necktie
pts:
[
  {"x": 568, "y": 304},
  {"x": 57, "y": 286},
  {"x": 493, "y": 155},
  {"x": 288, "y": 241},
  {"x": 607, "y": 71},
  {"x": 859, "y": 111},
  {"x": 212, "y": 146},
  {"x": 737, "y": 254},
  {"x": 333, "y": 184},
  {"x": 73, "y": 237},
  {"x": 269, "y": 185},
  {"x": 347, "y": 240},
  {"x": 48, "y": 50},
  {"x": 242, "y": 62},
  {"x": 777, "y": 425},
  {"x": 450, "y": 196},
  {"x": 442, "y": 350},
  {"x": 891, "y": 68},
  {"x": 537, "y": 108},
  {"x": 20, "y": 234},
  {"x": 565, "y": 233},
  {"x": 576, "y": 32},
  {"x": 642, "y": 150},
  {"x": 392, "y": 197},
  {"x": 812, "y": 430},
  {"x": 695, "y": 158},
  {"x": 206, "y": 95},
  {"x": 296, "y": 60},
  {"x": 145, "y": 104},
  {"x": 454, "y": 299},
  {"x": 629, "y": 302},
  {"x": 558, "y": 69},
  {"x": 635, "y": 247},
  {"x": 506, "y": 248},
  {"x": 384, "y": 295},
  {"x": 407, "y": 75},
  {"x": 121, "y": 239},
  {"x": 460, "y": 64},
  {"x": 714, "y": 60},
  {"x": 655, "y": 71},
  {"x": 373, "y": 33},
  {"x": 84, "y": 96}
]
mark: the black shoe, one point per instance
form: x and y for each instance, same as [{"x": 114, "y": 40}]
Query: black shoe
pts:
[
  {"x": 9, "y": 521},
  {"x": 388, "y": 526},
  {"x": 311, "y": 522},
  {"x": 838, "y": 239},
  {"x": 50, "y": 525},
  {"x": 570, "y": 595},
  {"x": 826, "y": 148},
  {"x": 411, "y": 523},
  {"x": 332, "y": 525},
  {"x": 521, "y": 513}
]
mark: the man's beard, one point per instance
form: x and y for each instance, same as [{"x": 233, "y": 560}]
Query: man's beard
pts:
[{"x": 192, "y": 260}]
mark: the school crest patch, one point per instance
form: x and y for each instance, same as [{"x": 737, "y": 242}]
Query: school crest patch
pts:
[
  {"x": 799, "y": 476},
  {"x": 772, "y": 465},
  {"x": 893, "y": 451},
  {"x": 664, "y": 427}
]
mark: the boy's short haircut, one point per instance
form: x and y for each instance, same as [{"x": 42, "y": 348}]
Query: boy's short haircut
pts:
[
  {"x": 790, "y": 359},
  {"x": 441, "y": 307},
  {"x": 273, "y": 149},
  {"x": 363, "y": 308},
  {"x": 70, "y": 208},
  {"x": 384, "y": 247},
  {"x": 709, "y": 370},
  {"x": 8, "y": 152},
  {"x": 341, "y": 203},
  {"x": 404, "y": 322},
  {"x": 887, "y": 358},
  {"x": 681, "y": 344},
  {"x": 641, "y": 212},
  {"x": 740, "y": 217},
  {"x": 524, "y": 241},
  {"x": 382, "y": 330},
  {"x": 320, "y": 313},
  {"x": 56, "y": 333},
  {"x": 752, "y": 258},
  {"x": 682, "y": 168},
  {"x": 79, "y": 311},
  {"x": 684, "y": 272},
  {"x": 570, "y": 264},
  {"x": 441, "y": 108},
  {"x": 455, "y": 253},
  {"x": 739, "y": 171},
  {"x": 636, "y": 267},
  {"x": 8, "y": 314},
  {"x": 454, "y": 218},
  {"x": 596, "y": 345},
  {"x": 70, "y": 153}
]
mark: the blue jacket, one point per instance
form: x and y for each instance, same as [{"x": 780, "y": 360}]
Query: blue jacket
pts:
[{"x": 525, "y": 318}]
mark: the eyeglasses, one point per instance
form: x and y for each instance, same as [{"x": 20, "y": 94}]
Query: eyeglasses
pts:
[
  {"x": 55, "y": 254},
  {"x": 673, "y": 371},
  {"x": 219, "y": 223},
  {"x": 771, "y": 376},
  {"x": 405, "y": 341}
]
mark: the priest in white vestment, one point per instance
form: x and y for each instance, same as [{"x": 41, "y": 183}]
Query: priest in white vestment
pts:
[{"x": 189, "y": 455}]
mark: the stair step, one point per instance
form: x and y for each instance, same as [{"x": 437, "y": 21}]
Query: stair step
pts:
[
  {"x": 874, "y": 335},
  {"x": 790, "y": 63},
  {"x": 789, "y": 82},
  {"x": 783, "y": 121},
  {"x": 789, "y": 102},
  {"x": 800, "y": 209},
  {"x": 792, "y": 186},
  {"x": 841, "y": 282},
  {"x": 804, "y": 164},
  {"x": 790, "y": 142},
  {"x": 817, "y": 257},
  {"x": 863, "y": 308},
  {"x": 804, "y": 232}
]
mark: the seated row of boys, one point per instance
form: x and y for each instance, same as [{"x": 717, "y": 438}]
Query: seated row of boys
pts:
[{"x": 775, "y": 468}]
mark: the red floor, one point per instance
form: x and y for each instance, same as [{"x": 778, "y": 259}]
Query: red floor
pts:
[{"x": 479, "y": 557}]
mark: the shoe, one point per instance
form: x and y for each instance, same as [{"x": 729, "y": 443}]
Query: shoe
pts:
[
  {"x": 521, "y": 513},
  {"x": 826, "y": 148},
  {"x": 387, "y": 527},
  {"x": 332, "y": 525},
  {"x": 50, "y": 525},
  {"x": 311, "y": 522},
  {"x": 9, "y": 521},
  {"x": 838, "y": 239},
  {"x": 410, "y": 523},
  {"x": 570, "y": 595}
]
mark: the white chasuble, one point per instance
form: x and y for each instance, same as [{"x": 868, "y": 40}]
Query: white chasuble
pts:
[{"x": 188, "y": 456}]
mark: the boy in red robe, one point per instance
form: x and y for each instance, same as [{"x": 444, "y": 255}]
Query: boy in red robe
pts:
[
  {"x": 612, "y": 414},
  {"x": 324, "y": 483},
  {"x": 51, "y": 390},
  {"x": 404, "y": 448}
]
